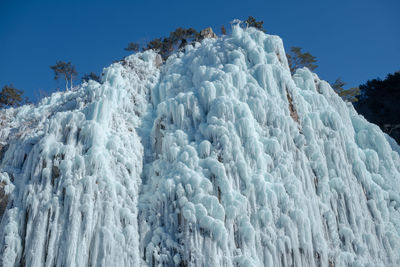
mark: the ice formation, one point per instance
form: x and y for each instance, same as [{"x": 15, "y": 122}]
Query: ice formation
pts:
[{"x": 219, "y": 157}]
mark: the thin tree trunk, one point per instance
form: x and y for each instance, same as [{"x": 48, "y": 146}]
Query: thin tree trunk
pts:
[{"x": 66, "y": 82}]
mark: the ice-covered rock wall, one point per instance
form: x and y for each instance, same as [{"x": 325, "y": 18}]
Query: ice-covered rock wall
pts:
[
  {"x": 75, "y": 162},
  {"x": 217, "y": 158}
]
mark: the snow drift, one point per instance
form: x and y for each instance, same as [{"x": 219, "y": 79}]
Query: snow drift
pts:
[{"x": 217, "y": 158}]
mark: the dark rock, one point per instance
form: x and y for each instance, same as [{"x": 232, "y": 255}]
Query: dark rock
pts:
[{"x": 3, "y": 200}]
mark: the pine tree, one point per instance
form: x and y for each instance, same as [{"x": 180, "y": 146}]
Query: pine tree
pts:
[
  {"x": 11, "y": 97},
  {"x": 176, "y": 39},
  {"x": 298, "y": 59},
  {"x": 346, "y": 94},
  {"x": 252, "y": 22},
  {"x": 338, "y": 85},
  {"x": 379, "y": 103},
  {"x": 155, "y": 44},
  {"x": 90, "y": 76},
  {"x": 132, "y": 47},
  {"x": 351, "y": 94},
  {"x": 66, "y": 70}
]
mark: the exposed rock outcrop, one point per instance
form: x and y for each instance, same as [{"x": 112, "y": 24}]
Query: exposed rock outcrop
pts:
[
  {"x": 208, "y": 33},
  {"x": 3, "y": 199}
]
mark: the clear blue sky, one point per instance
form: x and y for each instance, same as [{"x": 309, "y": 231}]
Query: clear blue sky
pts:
[{"x": 356, "y": 40}]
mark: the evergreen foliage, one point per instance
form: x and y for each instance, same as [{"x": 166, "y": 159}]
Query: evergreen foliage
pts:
[
  {"x": 65, "y": 70},
  {"x": 90, "y": 76},
  {"x": 351, "y": 94},
  {"x": 338, "y": 85},
  {"x": 176, "y": 39},
  {"x": 252, "y": 22},
  {"x": 155, "y": 44},
  {"x": 379, "y": 103},
  {"x": 346, "y": 94},
  {"x": 11, "y": 97},
  {"x": 298, "y": 59},
  {"x": 134, "y": 47}
]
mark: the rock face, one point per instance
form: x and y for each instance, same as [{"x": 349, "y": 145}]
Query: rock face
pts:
[
  {"x": 3, "y": 199},
  {"x": 218, "y": 157},
  {"x": 158, "y": 61},
  {"x": 208, "y": 33}
]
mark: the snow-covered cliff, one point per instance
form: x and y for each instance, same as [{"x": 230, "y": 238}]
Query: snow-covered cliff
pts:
[{"x": 217, "y": 158}]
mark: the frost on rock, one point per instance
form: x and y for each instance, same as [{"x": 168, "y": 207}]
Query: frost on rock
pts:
[
  {"x": 219, "y": 157},
  {"x": 76, "y": 171}
]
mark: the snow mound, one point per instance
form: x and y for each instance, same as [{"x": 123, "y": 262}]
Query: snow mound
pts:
[{"x": 218, "y": 158}]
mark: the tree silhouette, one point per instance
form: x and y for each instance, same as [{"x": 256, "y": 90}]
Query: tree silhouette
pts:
[
  {"x": 298, "y": 59},
  {"x": 351, "y": 94},
  {"x": 252, "y": 22},
  {"x": 379, "y": 103},
  {"x": 11, "y": 97},
  {"x": 346, "y": 94},
  {"x": 176, "y": 39},
  {"x": 90, "y": 76},
  {"x": 338, "y": 84},
  {"x": 223, "y": 30},
  {"x": 66, "y": 70},
  {"x": 132, "y": 47},
  {"x": 155, "y": 44}
]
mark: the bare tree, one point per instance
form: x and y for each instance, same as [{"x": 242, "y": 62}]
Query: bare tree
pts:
[{"x": 223, "y": 30}]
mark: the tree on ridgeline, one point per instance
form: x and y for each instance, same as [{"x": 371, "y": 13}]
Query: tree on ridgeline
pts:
[
  {"x": 155, "y": 44},
  {"x": 11, "y": 97},
  {"x": 223, "y": 30},
  {"x": 349, "y": 95},
  {"x": 252, "y": 22},
  {"x": 90, "y": 76},
  {"x": 176, "y": 39},
  {"x": 297, "y": 59},
  {"x": 338, "y": 85},
  {"x": 65, "y": 70},
  {"x": 134, "y": 47},
  {"x": 181, "y": 34},
  {"x": 379, "y": 103}
]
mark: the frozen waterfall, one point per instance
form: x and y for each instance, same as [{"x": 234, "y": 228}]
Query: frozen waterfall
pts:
[{"x": 217, "y": 158}]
